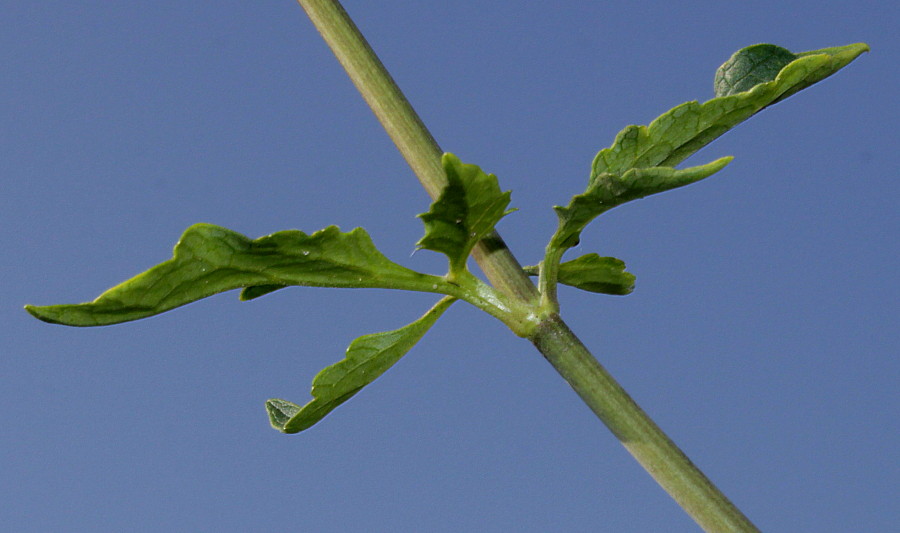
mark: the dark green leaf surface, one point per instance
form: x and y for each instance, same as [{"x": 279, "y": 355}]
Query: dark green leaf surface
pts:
[
  {"x": 605, "y": 275},
  {"x": 249, "y": 293},
  {"x": 467, "y": 211},
  {"x": 367, "y": 358},
  {"x": 609, "y": 190},
  {"x": 749, "y": 67},
  {"x": 683, "y": 130},
  {"x": 210, "y": 259}
]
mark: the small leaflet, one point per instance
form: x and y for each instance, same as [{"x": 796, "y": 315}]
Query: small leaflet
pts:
[
  {"x": 593, "y": 273},
  {"x": 468, "y": 209}
]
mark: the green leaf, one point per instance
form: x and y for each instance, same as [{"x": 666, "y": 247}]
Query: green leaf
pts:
[
  {"x": 592, "y": 273},
  {"x": 683, "y": 130},
  {"x": 468, "y": 209},
  {"x": 367, "y": 358},
  {"x": 210, "y": 259},
  {"x": 607, "y": 190}
]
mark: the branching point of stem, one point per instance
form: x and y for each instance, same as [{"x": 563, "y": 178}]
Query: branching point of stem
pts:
[{"x": 659, "y": 456}]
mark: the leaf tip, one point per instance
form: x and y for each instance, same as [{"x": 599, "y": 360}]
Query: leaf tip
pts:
[
  {"x": 448, "y": 158},
  {"x": 280, "y": 413},
  {"x": 722, "y": 162},
  {"x": 37, "y": 312},
  {"x": 50, "y": 314}
]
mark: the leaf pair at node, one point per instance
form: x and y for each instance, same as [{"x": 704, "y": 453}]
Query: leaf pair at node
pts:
[{"x": 209, "y": 259}]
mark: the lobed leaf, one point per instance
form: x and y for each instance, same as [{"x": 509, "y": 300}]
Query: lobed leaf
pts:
[
  {"x": 367, "y": 358},
  {"x": 468, "y": 209},
  {"x": 607, "y": 190},
  {"x": 592, "y": 273},
  {"x": 683, "y": 130},
  {"x": 209, "y": 259}
]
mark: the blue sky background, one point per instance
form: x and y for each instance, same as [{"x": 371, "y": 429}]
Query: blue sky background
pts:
[{"x": 762, "y": 335}]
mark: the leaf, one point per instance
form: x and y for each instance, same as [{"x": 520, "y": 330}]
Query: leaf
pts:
[
  {"x": 367, "y": 358},
  {"x": 592, "y": 273},
  {"x": 683, "y": 130},
  {"x": 467, "y": 210},
  {"x": 609, "y": 190},
  {"x": 210, "y": 259},
  {"x": 640, "y": 161}
]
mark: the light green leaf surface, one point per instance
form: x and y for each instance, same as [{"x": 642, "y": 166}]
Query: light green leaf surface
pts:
[
  {"x": 606, "y": 191},
  {"x": 367, "y": 358},
  {"x": 210, "y": 259},
  {"x": 592, "y": 273},
  {"x": 468, "y": 209},
  {"x": 683, "y": 130}
]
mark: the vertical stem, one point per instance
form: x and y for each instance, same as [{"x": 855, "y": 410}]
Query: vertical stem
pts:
[{"x": 637, "y": 432}]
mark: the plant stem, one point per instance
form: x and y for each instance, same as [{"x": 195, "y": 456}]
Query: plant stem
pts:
[
  {"x": 548, "y": 277},
  {"x": 662, "y": 459},
  {"x": 637, "y": 432}
]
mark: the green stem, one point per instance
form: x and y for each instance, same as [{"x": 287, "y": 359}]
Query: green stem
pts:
[
  {"x": 637, "y": 432},
  {"x": 548, "y": 278},
  {"x": 662, "y": 459}
]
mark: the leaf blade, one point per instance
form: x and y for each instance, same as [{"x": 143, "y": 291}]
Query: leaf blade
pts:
[
  {"x": 607, "y": 191},
  {"x": 210, "y": 259},
  {"x": 593, "y": 273},
  {"x": 367, "y": 358},
  {"x": 467, "y": 210}
]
